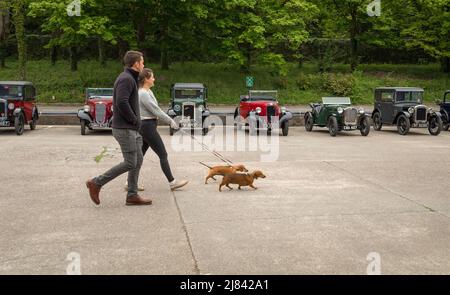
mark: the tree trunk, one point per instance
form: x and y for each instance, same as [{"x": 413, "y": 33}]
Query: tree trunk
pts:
[
  {"x": 123, "y": 47},
  {"x": 353, "y": 40},
  {"x": 165, "y": 65},
  {"x": 73, "y": 58},
  {"x": 19, "y": 23},
  {"x": 101, "y": 51},
  {"x": 54, "y": 55},
  {"x": 445, "y": 64},
  {"x": 4, "y": 32}
]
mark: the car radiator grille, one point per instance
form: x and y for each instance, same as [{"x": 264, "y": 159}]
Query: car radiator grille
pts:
[
  {"x": 100, "y": 113},
  {"x": 270, "y": 113},
  {"x": 421, "y": 114},
  {"x": 3, "y": 108},
  {"x": 350, "y": 115},
  {"x": 188, "y": 111}
]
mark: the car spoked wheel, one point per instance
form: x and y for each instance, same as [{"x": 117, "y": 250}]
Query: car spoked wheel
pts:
[
  {"x": 332, "y": 126},
  {"x": 446, "y": 127},
  {"x": 435, "y": 125},
  {"x": 377, "y": 125},
  {"x": 403, "y": 125},
  {"x": 19, "y": 124},
  {"x": 364, "y": 126},
  {"x": 309, "y": 122}
]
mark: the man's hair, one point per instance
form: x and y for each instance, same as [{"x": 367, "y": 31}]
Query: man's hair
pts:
[{"x": 131, "y": 57}]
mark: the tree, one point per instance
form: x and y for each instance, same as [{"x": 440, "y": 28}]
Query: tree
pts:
[
  {"x": 73, "y": 31},
  {"x": 18, "y": 8},
  {"x": 4, "y": 30},
  {"x": 256, "y": 30}
]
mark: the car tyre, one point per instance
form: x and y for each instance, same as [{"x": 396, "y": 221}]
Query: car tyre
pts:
[
  {"x": 285, "y": 128},
  {"x": 309, "y": 122},
  {"x": 19, "y": 124},
  {"x": 377, "y": 125},
  {"x": 364, "y": 126},
  {"x": 83, "y": 127},
  {"x": 403, "y": 125},
  {"x": 333, "y": 126},
  {"x": 435, "y": 125}
]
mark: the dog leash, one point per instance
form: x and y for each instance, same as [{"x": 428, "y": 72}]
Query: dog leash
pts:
[{"x": 205, "y": 147}]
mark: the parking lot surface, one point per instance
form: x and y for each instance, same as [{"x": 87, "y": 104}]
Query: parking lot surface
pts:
[{"x": 327, "y": 206}]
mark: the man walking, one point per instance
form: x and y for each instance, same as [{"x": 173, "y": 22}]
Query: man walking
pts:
[{"x": 126, "y": 123}]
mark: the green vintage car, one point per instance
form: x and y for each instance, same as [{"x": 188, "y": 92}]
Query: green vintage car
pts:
[
  {"x": 337, "y": 114},
  {"x": 188, "y": 106}
]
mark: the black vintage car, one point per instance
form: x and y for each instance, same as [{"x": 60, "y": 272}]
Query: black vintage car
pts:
[
  {"x": 445, "y": 110},
  {"x": 403, "y": 107}
]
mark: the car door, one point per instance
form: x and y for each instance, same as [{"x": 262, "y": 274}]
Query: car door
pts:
[
  {"x": 386, "y": 106},
  {"x": 28, "y": 102}
]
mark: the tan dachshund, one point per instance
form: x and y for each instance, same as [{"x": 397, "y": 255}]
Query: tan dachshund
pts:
[
  {"x": 242, "y": 179},
  {"x": 223, "y": 170}
]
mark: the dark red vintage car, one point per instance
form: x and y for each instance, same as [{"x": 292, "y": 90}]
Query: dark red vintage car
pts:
[
  {"x": 260, "y": 110},
  {"x": 18, "y": 105},
  {"x": 98, "y": 110}
]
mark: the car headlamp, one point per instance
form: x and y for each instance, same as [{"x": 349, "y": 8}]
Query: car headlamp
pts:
[
  {"x": 411, "y": 111},
  {"x": 361, "y": 110},
  {"x": 177, "y": 108},
  {"x": 200, "y": 108},
  {"x": 112, "y": 108},
  {"x": 11, "y": 106},
  {"x": 340, "y": 110},
  {"x": 283, "y": 109},
  {"x": 87, "y": 108},
  {"x": 258, "y": 110}
]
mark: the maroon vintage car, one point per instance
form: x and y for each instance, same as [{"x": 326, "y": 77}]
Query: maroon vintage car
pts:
[
  {"x": 98, "y": 110},
  {"x": 259, "y": 110},
  {"x": 18, "y": 105}
]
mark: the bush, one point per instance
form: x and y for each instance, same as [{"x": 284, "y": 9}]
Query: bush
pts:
[{"x": 339, "y": 84}]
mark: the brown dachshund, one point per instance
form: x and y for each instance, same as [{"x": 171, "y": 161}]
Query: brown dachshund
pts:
[
  {"x": 242, "y": 179},
  {"x": 223, "y": 170}
]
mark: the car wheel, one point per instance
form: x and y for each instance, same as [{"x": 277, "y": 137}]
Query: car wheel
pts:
[
  {"x": 403, "y": 125},
  {"x": 83, "y": 127},
  {"x": 446, "y": 127},
  {"x": 377, "y": 125},
  {"x": 333, "y": 126},
  {"x": 19, "y": 124},
  {"x": 285, "y": 128},
  {"x": 33, "y": 123},
  {"x": 364, "y": 126},
  {"x": 309, "y": 122},
  {"x": 435, "y": 125}
]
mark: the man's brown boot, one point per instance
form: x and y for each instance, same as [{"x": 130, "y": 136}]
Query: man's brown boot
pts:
[
  {"x": 94, "y": 191},
  {"x": 137, "y": 201}
]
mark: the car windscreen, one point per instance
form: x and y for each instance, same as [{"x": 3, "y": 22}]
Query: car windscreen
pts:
[
  {"x": 189, "y": 93},
  {"x": 409, "y": 96},
  {"x": 336, "y": 100},
  {"x": 96, "y": 93},
  {"x": 13, "y": 91}
]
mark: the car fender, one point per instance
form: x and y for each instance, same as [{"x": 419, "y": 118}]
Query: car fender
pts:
[
  {"x": 171, "y": 113},
  {"x": 375, "y": 111},
  {"x": 82, "y": 115},
  {"x": 444, "y": 115},
  {"x": 408, "y": 115},
  {"x": 17, "y": 112},
  {"x": 437, "y": 114},
  {"x": 35, "y": 113},
  {"x": 285, "y": 117}
]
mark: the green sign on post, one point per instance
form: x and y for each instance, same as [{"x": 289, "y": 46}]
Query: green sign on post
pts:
[{"x": 249, "y": 81}]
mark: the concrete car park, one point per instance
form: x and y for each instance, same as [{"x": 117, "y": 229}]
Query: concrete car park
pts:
[{"x": 325, "y": 206}]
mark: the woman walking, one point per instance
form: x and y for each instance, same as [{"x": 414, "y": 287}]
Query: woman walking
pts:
[{"x": 150, "y": 113}]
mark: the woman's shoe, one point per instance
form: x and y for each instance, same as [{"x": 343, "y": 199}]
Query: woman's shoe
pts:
[{"x": 176, "y": 184}]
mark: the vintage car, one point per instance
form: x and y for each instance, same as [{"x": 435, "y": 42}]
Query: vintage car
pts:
[
  {"x": 403, "y": 106},
  {"x": 337, "y": 114},
  {"x": 18, "y": 105},
  {"x": 260, "y": 110},
  {"x": 188, "y": 106},
  {"x": 98, "y": 110},
  {"x": 445, "y": 110}
]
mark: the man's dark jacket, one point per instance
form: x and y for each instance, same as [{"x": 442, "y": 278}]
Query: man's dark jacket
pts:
[{"x": 126, "y": 101}]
